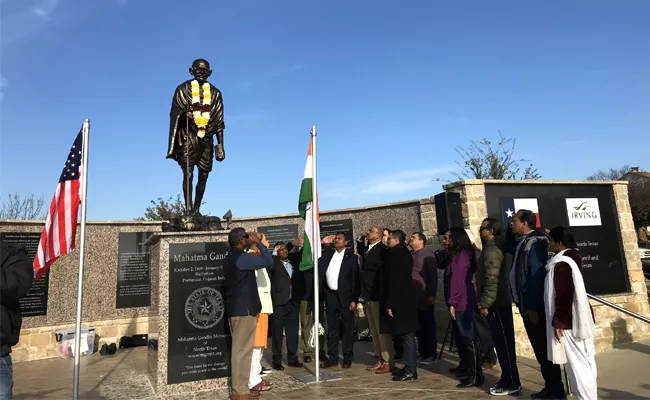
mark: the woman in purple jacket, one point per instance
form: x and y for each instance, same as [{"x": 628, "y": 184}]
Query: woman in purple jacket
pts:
[{"x": 462, "y": 303}]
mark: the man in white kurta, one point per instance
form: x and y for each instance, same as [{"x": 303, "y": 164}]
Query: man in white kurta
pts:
[{"x": 570, "y": 323}]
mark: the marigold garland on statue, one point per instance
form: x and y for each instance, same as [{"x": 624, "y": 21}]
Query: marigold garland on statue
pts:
[{"x": 201, "y": 110}]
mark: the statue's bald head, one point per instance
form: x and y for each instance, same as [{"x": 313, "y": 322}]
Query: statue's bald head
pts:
[
  {"x": 200, "y": 70},
  {"x": 200, "y": 61}
]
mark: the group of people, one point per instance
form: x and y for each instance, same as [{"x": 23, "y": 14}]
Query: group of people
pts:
[
  {"x": 541, "y": 273},
  {"x": 394, "y": 279}
]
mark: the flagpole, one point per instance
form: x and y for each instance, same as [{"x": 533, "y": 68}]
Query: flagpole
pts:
[
  {"x": 80, "y": 285},
  {"x": 314, "y": 254}
]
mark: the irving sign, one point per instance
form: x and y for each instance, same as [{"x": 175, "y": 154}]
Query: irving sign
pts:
[{"x": 583, "y": 212}]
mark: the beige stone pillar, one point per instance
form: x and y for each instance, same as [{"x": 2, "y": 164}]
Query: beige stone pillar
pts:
[{"x": 472, "y": 196}]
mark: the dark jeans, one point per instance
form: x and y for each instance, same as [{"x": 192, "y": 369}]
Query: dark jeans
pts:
[
  {"x": 503, "y": 335},
  {"x": 6, "y": 378},
  {"x": 487, "y": 344},
  {"x": 340, "y": 323},
  {"x": 285, "y": 317},
  {"x": 551, "y": 373},
  {"x": 427, "y": 336},
  {"x": 410, "y": 353}
]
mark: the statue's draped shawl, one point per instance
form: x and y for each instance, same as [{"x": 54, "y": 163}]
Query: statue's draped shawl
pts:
[{"x": 181, "y": 102}]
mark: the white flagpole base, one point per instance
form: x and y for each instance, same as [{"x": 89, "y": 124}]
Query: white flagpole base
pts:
[{"x": 324, "y": 376}]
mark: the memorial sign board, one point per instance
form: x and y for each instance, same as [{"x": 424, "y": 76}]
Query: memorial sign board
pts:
[
  {"x": 199, "y": 341},
  {"x": 35, "y": 303},
  {"x": 588, "y": 212},
  {"x": 279, "y": 233},
  {"x": 342, "y": 225},
  {"x": 133, "y": 270}
]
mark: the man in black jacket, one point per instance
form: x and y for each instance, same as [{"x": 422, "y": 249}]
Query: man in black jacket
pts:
[
  {"x": 243, "y": 303},
  {"x": 399, "y": 302},
  {"x": 286, "y": 296},
  {"x": 339, "y": 272},
  {"x": 373, "y": 256},
  {"x": 16, "y": 274}
]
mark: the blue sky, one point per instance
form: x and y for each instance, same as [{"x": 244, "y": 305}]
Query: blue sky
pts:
[{"x": 393, "y": 88}]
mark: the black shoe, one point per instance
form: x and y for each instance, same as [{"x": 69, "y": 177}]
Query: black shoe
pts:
[
  {"x": 474, "y": 381},
  {"x": 295, "y": 364},
  {"x": 328, "y": 364},
  {"x": 458, "y": 371},
  {"x": 346, "y": 364},
  {"x": 277, "y": 367},
  {"x": 405, "y": 377},
  {"x": 307, "y": 359},
  {"x": 398, "y": 371},
  {"x": 546, "y": 394}
]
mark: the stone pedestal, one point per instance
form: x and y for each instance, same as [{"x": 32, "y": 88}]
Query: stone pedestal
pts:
[{"x": 192, "y": 349}]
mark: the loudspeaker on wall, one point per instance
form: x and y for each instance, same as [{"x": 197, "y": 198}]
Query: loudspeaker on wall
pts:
[{"x": 449, "y": 211}]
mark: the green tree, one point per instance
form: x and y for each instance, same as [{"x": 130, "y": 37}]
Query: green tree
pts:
[
  {"x": 160, "y": 210},
  {"x": 488, "y": 160}
]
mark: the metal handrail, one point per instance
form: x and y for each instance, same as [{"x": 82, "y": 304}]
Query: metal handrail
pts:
[{"x": 619, "y": 308}]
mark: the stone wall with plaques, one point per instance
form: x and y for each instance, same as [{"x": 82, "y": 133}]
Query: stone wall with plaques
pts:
[
  {"x": 54, "y": 304},
  {"x": 598, "y": 214}
]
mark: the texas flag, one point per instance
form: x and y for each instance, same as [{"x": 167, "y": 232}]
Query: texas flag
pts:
[{"x": 510, "y": 206}]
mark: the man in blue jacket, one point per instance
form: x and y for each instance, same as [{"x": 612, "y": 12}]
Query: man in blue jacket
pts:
[{"x": 527, "y": 287}]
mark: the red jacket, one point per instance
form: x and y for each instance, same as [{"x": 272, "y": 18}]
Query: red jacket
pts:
[{"x": 564, "y": 291}]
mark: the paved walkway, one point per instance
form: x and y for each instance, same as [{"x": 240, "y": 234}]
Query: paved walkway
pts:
[{"x": 623, "y": 374}]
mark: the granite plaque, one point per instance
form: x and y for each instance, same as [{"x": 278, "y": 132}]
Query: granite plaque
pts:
[
  {"x": 199, "y": 340},
  {"x": 587, "y": 211},
  {"x": 35, "y": 303},
  {"x": 279, "y": 233},
  {"x": 342, "y": 225},
  {"x": 133, "y": 271}
]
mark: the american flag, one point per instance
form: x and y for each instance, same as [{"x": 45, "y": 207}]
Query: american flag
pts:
[{"x": 58, "y": 237}]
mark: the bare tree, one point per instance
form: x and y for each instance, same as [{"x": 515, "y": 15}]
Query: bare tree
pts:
[
  {"x": 638, "y": 190},
  {"x": 161, "y": 210},
  {"x": 487, "y": 160},
  {"x": 612, "y": 174},
  {"x": 22, "y": 208}
]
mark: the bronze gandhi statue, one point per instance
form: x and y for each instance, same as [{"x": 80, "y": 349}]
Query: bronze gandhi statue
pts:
[{"x": 196, "y": 117}]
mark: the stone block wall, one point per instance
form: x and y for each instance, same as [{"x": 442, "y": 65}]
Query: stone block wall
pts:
[{"x": 40, "y": 343}]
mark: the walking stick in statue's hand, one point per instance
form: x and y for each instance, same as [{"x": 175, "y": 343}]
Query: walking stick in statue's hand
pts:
[{"x": 188, "y": 195}]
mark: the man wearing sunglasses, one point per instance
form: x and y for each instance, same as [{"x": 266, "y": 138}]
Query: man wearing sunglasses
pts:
[{"x": 243, "y": 303}]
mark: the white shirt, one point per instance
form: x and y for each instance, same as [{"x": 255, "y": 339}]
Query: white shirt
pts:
[
  {"x": 370, "y": 246},
  {"x": 333, "y": 270}
]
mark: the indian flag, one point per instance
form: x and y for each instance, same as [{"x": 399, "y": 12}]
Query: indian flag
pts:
[{"x": 308, "y": 208}]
